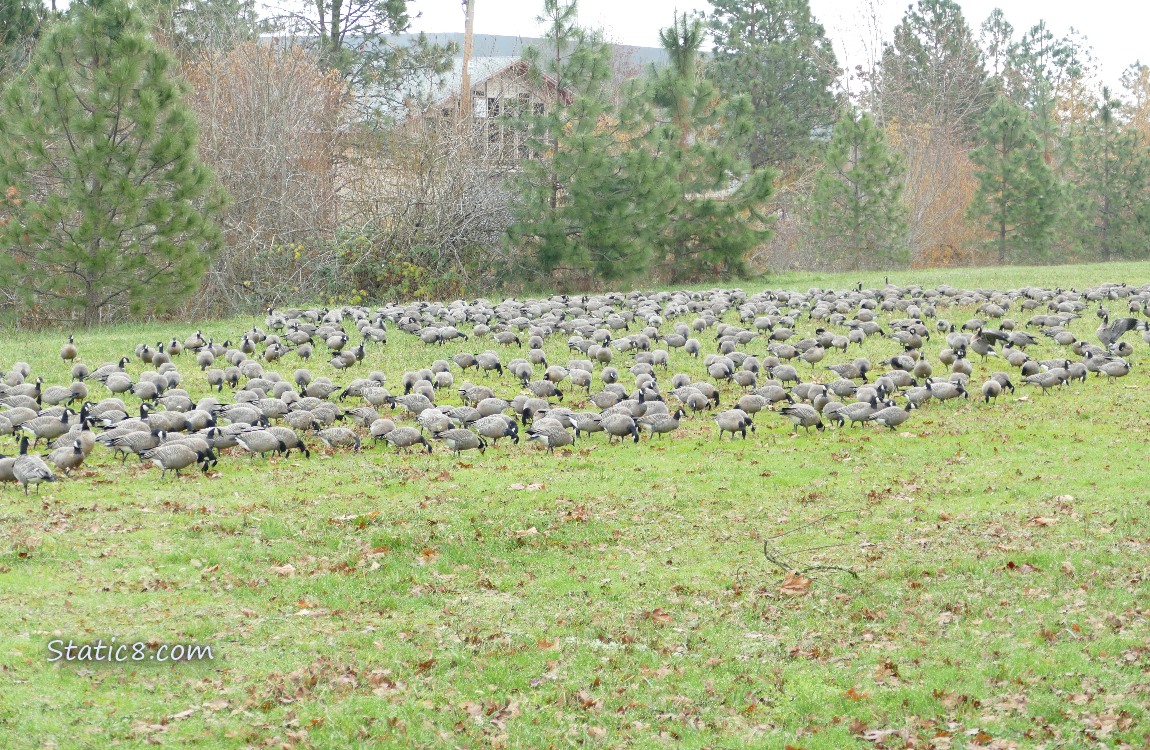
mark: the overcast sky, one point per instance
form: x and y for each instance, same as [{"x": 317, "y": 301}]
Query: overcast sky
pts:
[{"x": 1116, "y": 29}]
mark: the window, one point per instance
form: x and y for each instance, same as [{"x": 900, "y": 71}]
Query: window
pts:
[
  {"x": 538, "y": 108},
  {"x": 492, "y": 107}
]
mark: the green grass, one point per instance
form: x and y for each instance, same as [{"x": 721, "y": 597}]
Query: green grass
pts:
[{"x": 1001, "y": 598}]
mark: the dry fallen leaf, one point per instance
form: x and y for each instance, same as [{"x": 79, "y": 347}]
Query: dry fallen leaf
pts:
[
  {"x": 795, "y": 584},
  {"x": 659, "y": 616},
  {"x": 284, "y": 571}
]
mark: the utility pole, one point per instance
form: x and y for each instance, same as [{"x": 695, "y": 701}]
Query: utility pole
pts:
[{"x": 465, "y": 110}]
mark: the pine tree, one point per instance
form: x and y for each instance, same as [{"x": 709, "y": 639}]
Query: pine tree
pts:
[
  {"x": 20, "y": 25},
  {"x": 358, "y": 38},
  {"x": 191, "y": 28},
  {"x": 1017, "y": 196},
  {"x": 855, "y": 209},
  {"x": 1040, "y": 67},
  {"x": 115, "y": 209},
  {"x": 715, "y": 216},
  {"x": 933, "y": 70},
  {"x": 775, "y": 53},
  {"x": 1110, "y": 177},
  {"x": 591, "y": 202}
]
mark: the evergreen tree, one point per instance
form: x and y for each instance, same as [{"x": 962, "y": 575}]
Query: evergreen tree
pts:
[
  {"x": 1111, "y": 185},
  {"x": 1017, "y": 194},
  {"x": 1039, "y": 68},
  {"x": 997, "y": 42},
  {"x": 855, "y": 209},
  {"x": 190, "y": 28},
  {"x": 933, "y": 70},
  {"x": 20, "y": 24},
  {"x": 115, "y": 209},
  {"x": 592, "y": 200},
  {"x": 359, "y": 39},
  {"x": 715, "y": 216},
  {"x": 775, "y": 53}
]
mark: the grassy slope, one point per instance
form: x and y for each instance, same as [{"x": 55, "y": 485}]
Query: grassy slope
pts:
[{"x": 1001, "y": 552}]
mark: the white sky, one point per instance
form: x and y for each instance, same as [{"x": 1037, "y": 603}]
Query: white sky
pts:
[{"x": 1116, "y": 29}]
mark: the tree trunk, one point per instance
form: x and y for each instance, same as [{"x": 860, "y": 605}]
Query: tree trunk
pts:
[
  {"x": 1106, "y": 200},
  {"x": 1002, "y": 212},
  {"x": 91, "y": 305}
]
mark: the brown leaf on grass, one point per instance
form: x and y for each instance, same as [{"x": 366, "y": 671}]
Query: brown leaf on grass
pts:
[
  {"x": 659, "y": 616},
  {"x": 284, "y": 571},
  {"x": 428, "y": 554},
  {"x": 855, "y": 695},
  {"x": 424, "y": 666},
  {"x": 182, "y": 715},
  {"x": 580, "y": 513},
  {"x": 587, "y": 701},
  {"x": 795, "y": 584},
  {"x": 887, "y": 672},
  {"x": 878, "y": 736},
  {"x": 1068, "y": 568},
  {"x": 1042, "y": 521}
]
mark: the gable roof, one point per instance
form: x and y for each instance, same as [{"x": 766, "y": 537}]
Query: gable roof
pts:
[{"x": 484, "y": 69}]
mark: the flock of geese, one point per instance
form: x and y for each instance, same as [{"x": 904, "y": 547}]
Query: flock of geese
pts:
[{"x": 761, "y": 352}]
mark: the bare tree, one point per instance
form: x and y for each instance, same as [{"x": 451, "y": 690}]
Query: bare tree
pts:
[
  {"x": 429, "y": 204},
  {"x": 272, "y": 123}
]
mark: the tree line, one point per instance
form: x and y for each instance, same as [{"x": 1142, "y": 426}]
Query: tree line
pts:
[{"x": 194, "y": 155}]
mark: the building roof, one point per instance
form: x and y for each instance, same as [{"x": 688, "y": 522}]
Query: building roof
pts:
[
  {"x": 492, "y": 53},
  {"x": 499, "y": 45},
  {"x": 481, "y": 69}
]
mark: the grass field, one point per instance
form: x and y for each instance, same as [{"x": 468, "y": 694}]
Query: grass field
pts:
[{"x": 606, "y": 596}]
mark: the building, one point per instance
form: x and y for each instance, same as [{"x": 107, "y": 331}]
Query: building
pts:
[
  {"x": 502, "y": 92},
  {"x": 502, "y": 97}
]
